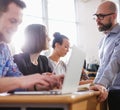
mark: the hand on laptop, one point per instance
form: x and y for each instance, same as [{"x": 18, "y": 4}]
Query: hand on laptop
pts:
[
  {"x": 54, "y": 81},
  {"x": 59, "y": 81}
]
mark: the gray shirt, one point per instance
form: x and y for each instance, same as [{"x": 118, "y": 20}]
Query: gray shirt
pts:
[{"x": 109, "y": 54}]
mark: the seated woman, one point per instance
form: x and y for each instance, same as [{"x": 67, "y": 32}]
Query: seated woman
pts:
[
  {"x": 60, "y": 47},
  {"x": 30, "y": 61}
]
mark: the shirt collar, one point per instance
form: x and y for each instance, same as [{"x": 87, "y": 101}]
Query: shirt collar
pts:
[{"x": 115, "y": 30}]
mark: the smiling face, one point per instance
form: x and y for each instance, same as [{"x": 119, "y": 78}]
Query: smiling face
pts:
[{"x": 9, "y": 22}]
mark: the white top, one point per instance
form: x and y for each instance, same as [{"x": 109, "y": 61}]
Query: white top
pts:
[{"x": 57, "y": 67}]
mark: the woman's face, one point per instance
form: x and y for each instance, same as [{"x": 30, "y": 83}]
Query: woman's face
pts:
[
  {"x": 47, "y": 42},
  {"x": 62, "y": 49}
]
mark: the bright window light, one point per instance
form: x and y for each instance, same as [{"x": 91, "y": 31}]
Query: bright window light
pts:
[
  {"x": 31, "y": 14},
  {"x": 55, "y": 14},
  {"x": 61, "y": 18}
]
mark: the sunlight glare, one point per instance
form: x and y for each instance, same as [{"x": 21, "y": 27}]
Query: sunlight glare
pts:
[{"x": 18, "y": 41}]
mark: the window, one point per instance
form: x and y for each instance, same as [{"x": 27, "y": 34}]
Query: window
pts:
[
  {"x": 57, "y": 15},
  {"x": 61, "y": 18}
]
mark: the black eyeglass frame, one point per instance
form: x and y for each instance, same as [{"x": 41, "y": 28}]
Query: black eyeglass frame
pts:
[{"x": 102, "y": 16}]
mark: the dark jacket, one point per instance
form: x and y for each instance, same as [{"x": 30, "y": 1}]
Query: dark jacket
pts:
[{"x": 27, "y": 67}]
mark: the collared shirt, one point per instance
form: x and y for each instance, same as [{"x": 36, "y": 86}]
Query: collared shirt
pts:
[
  {"x": 109, "y": 54},
  {"x": 7, "y": 66}
]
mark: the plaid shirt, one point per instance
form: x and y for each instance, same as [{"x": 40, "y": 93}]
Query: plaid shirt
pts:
[{"x": 7, "y": 66}]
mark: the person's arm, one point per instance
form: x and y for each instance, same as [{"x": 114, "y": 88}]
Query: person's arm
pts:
[
  {"x": 52, "y": 79},
  {"x": 8, "y": 83},
  {"x": 111, "y": 69},
  {"x": 109, "y": 74},
  {"x": 103, "y": 92},
  {"x": 22, "y": 82},
  {"x": 28, "y": 82}
]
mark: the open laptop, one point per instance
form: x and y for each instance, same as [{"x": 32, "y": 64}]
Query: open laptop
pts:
[{"x": 72, "y": 76}]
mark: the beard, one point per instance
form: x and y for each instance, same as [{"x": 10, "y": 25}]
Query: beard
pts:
[{"x": 105, "y": 27}]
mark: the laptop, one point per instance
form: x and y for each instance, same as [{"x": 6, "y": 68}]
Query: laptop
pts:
[{"x": 72, "y": 75}]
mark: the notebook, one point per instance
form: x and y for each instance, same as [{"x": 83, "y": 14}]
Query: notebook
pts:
[{"x": 72, "y": 76}]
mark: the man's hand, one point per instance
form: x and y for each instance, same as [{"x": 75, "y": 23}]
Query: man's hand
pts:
[
  {"x": 54, "y": 81},
  {"x": 103, "y": 92}
]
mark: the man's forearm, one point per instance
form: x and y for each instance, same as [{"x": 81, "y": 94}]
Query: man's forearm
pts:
[{"x": 8, "y": 83}]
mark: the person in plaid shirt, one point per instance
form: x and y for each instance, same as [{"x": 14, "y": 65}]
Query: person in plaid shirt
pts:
[{"x": 10, "y": 77}]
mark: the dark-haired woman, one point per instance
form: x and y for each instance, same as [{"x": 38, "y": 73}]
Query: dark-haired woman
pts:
[
  {"x": 60, "y": 47},
  {"x": 30, "y": 61}
]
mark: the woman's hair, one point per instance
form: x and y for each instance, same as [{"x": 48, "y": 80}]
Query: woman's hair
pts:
[
  {"x": 35, "y": 36},
  {"x": 58, "y": 38}
]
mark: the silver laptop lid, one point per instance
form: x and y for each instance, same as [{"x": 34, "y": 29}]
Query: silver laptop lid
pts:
[{"x": 74, "y": 70}]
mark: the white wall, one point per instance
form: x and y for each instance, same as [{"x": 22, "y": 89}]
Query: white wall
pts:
[{"x": 89, "y": 36}]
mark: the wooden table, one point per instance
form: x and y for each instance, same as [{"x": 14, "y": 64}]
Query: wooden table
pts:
[{"x": 77, "y": 101}]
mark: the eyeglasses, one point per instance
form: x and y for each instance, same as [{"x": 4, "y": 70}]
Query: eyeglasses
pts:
[{"x": 101, "y": 16}]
